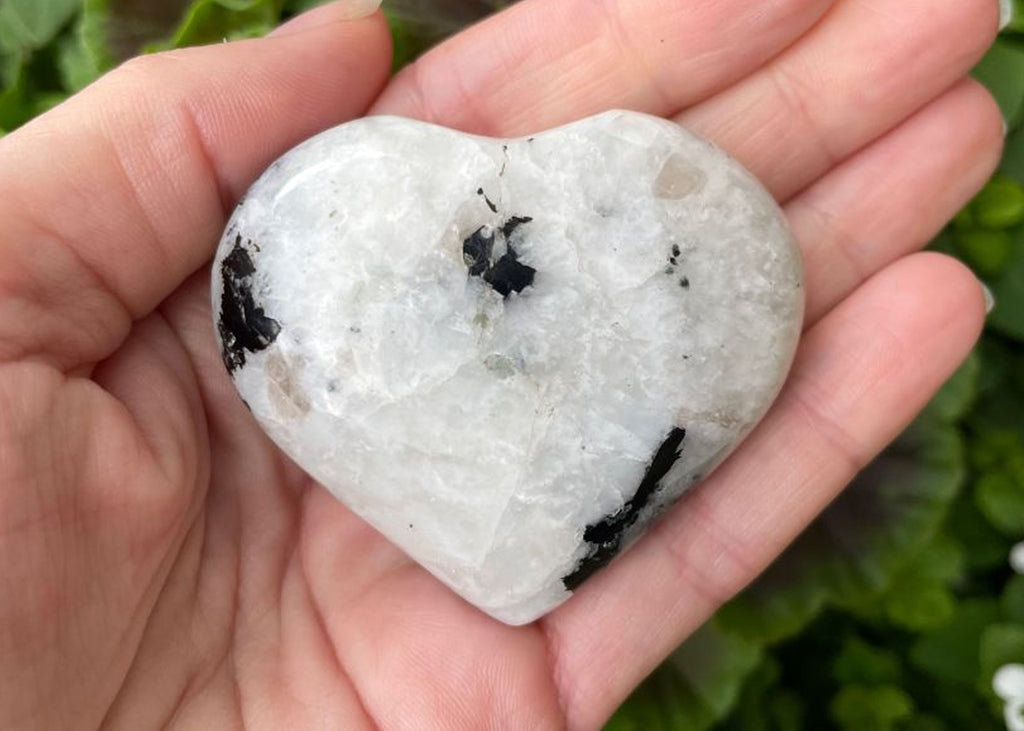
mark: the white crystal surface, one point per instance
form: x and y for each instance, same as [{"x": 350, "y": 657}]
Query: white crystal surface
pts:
[{"x": 510, "y": 444}]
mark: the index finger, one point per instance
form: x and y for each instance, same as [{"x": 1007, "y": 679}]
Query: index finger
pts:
[{"x": 110, "y": 201}]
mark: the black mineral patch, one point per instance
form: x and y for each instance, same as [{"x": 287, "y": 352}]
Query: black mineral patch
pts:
[
  {"x": 488, "y": 201},
  {"x": 509, "y": 227},
  {"x": 509, "y": 275},
  {"x": 477, "y": 250},
  {"x": 243, "y": 325},
  {"x": 673, "y": 258},
  {"x": 506, "y": 274},
  {"x": 605, "y": 536}
]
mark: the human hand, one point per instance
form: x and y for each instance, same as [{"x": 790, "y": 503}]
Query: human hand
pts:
[{"x": 162, "y": 564}]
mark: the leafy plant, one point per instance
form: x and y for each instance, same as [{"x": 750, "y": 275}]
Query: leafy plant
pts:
[{"x": 896, "y": 607}]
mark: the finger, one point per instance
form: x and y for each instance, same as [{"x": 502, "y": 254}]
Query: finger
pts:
[
  {"x": 896, "y": 195},
  {"x": 545, "y": 62},
  {"x": 95, "y": 495},
  {"x": 864, "y": 69},
  {"x": 893, "y": 342},
  {"x": 111, "y": 200}
]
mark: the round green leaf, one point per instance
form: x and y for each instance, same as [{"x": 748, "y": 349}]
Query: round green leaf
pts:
[
  {"x": 881, "y": 708},
  {"x": 850, "y": 556},
  {"x": 986, "y": 252},
  {"x": 864, "y": 664},
  {"x": 27, "y": 25},
  {"x": 1000, "y": 498},
  {"x": 1000, "y": 204},
  {"x": 1002, "y": 71},
  {"x": 1012, "y": 601}
]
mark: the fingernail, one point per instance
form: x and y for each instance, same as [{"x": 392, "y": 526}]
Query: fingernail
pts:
[
  {"x": 356, "y": 9},
  {"x": 1005, "y": 13},
  {"x": 990, "y": 299},
  {"x": 337, "y": 11}
]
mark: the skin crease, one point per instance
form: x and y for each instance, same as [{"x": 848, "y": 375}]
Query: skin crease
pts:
[{"x": 162, "y": 565}]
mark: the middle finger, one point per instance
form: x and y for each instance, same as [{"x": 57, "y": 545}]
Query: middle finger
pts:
[
  {"x": 544, "y": 62},
  {"x": 867, "y": 66}
]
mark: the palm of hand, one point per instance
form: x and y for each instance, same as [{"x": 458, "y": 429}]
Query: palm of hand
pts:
[{"x": 161, "y": 563}]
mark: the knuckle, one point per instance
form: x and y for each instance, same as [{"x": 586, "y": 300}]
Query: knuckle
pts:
[
  {"x": 147, "y": 73},
  {"x": 709, "y": 560}
]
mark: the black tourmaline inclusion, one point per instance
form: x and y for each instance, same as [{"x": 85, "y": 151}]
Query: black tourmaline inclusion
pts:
[
  {"x": 605, "y": 537},
  {"x": 507, "y": 274},
  {"x": 477, "y": 249},
  {"x": 243, "y": 325}
]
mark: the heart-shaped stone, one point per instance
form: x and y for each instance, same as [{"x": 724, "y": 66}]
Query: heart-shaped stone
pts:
[{"x": 508, "y": 355}]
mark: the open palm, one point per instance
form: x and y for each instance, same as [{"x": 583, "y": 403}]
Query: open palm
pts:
[{"x": 163, "y": 565}]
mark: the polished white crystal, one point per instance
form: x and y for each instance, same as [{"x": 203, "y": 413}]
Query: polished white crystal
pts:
[{"x": 509, "y": 441}]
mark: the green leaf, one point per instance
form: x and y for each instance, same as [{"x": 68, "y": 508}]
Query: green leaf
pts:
[
  {"x": 1012, "y": 601},
  {"x": 407, "y": 41},
  {"x": 27, "y": 25},
  {"x": 982, "y": 548},
  {"x": 715, "y": 665},
  {"x": 697, "y": 686},
  {"x": 859, "y": 708},
  {"x": 996, "y": 450},
  {"x": 923, "y": 723},
  {"x": 1000, "y": 498},
  {"x": 957, "y": 395},
  {"x": 1017, "y": 18},
  {"x": 986, "y": 252},
  {"x": 1000, "y": 645},
  {"x": 918, "y": 597},
  {"x": 661, "y": 703},
  {"x": 1013, "y": 156},
  {"x": 212, "y": 21},
  {"x": 764, "y": 705},
  {"x": 1000, "y": 204},
  {"x": 45, "y": 101},
  {"x": 1002, "y": 71},
  {"x": 920, "y": 604},
  {"x": 301, "y": 6},
  {"x": 787, "y": 596},
  {"x": 957, "y": 703},
  {"x": 1008, "y": 316},
  {"x": 850, "y": 556},
  {"x": 110, "y": 31},
  {"x": 1000, "y": 390},
  {"x": 15, "y": 107},
  {"x": 864, "y": 664},
  {"x": 964, "y": 220},
  {"x": 951, "y": 652},
  {"x": 88, "y": 52}
]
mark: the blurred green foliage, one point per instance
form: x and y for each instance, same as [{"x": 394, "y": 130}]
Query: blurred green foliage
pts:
[{"x": 896, "y": 607}]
